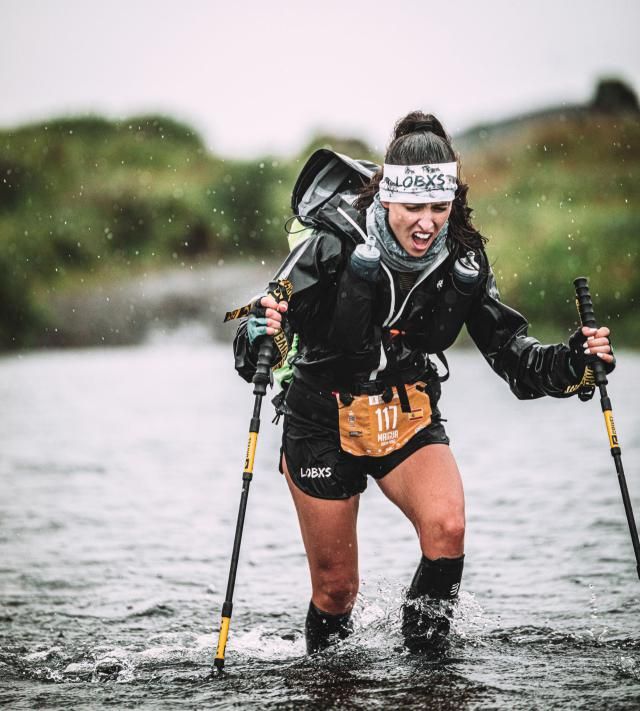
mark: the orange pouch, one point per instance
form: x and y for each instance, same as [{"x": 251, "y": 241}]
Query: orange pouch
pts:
[{"x": 371, "y": 427}]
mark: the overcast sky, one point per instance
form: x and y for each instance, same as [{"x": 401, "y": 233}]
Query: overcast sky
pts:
[{"x": 261, "y": 76}]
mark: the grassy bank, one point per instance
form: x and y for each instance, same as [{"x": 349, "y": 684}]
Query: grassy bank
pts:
[{"x": 88, "y": 200}]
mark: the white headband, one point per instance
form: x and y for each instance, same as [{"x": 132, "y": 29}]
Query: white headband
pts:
[{"x": 434, "y": 182}]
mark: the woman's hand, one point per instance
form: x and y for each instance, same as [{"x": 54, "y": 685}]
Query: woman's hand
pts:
[
  {"x": 586, "y": 345},
  {"x": 597, "y": 343},
  {"x": 266, "y": 319},
  {"x": 273, "y": 314}
]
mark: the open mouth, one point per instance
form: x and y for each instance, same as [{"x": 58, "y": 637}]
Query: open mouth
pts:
[{"x": 421, "y": 240}]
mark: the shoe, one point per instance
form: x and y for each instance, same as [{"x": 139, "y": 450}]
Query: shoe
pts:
[
  {"x": 322, "y": 630},
  {"x": 425, "y": 626}
]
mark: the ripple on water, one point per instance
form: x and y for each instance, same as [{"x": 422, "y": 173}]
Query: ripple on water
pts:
[{"x": 112, "y": 549}]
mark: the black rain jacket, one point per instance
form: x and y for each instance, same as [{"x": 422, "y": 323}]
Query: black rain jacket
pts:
[{"x": 353, "y": 332}]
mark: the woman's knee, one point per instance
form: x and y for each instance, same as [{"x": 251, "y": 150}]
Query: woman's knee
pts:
[
  {"x": 443, "y": 536},
  {"x": 334, "y": 591}
]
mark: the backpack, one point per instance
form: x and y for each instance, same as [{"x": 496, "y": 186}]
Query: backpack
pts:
[
  {"x": 324, "y": 176},
  {"x": 327, "y": 180},
  {"x": 325, "y": 189}
]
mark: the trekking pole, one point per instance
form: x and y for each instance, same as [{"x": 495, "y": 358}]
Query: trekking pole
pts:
[
  {"x": 587, "y": 316},
  {"x": 280, "y": 290},
  {"x": 260, "y": 381}
]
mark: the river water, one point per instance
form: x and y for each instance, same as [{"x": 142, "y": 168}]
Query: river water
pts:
[{"x": 120, "y": 476}]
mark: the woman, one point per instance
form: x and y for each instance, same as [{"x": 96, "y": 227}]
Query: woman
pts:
[{"x": 383, "y": 282}]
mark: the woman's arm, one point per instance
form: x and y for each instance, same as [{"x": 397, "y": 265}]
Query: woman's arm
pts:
[
  {"x": 311, "y": 269},
  {"x": 531, "y": 369}
]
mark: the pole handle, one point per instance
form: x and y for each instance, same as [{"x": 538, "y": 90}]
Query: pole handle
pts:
[
  {"x": 584, "y": 302},
  {"x": 588, "y": 318},
  {"x": 262, "y": 376}
]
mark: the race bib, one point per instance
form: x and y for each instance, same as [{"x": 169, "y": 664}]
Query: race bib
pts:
[{"x": 371, "y": 427}]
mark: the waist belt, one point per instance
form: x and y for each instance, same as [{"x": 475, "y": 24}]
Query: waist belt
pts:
[
  {"x": 366, "y": 387},
  {"x": 316, "y": 404},
  {"x": 371, "y": 387}
]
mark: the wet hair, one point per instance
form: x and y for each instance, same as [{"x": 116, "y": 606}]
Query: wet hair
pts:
[{"x": 420, "y": 138}]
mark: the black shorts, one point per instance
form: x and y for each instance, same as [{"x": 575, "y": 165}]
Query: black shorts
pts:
[{"x": 311, "y": 445}]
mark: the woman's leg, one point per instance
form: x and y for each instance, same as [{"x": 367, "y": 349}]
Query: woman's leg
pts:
[
  {"x": 329, "y": 535},
  {"x": 428, "y": 490}
]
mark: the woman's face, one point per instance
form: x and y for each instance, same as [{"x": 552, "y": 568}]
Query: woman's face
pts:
[{"x": 416, "y": 226}]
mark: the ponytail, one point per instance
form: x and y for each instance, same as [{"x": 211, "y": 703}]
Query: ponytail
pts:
[{"x": 416, "y": 122}]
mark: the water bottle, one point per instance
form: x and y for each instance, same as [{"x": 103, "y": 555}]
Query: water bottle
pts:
[
  {"x": 365, "y": 261},
  {"x": 466, "y": 271}
]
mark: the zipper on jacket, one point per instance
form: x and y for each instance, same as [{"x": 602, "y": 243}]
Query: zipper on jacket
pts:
[
  {"x": 439, "y": 260},
  {"x": 391, "y": 319}
]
